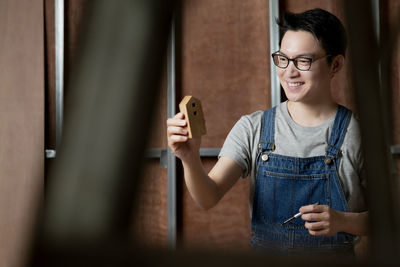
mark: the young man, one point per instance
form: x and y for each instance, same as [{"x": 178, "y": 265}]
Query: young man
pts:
[{"x": 303, "y": 155}]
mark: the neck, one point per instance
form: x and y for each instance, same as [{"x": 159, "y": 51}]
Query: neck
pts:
[{"x": 310, "y": 115}]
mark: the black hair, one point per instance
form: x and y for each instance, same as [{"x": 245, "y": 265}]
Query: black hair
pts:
[{"x": 325, "y": 27}]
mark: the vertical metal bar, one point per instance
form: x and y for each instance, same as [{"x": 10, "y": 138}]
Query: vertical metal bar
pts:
[
  {"x": 171, "y": 159},
  {"x": 274, "y": 46},
  {"x": 59, "y": 68},
  {"x": 376, "y": 16},
  {"x": 377, "y": 26}
]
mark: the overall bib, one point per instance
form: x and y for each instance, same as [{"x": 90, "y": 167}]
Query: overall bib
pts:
[{"x": 284, "y": 184}]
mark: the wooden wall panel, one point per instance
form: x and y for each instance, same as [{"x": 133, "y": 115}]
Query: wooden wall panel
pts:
[
  {"x": 225, "y": 63},
  {"x": 225, "y": 226},
  {"x": 21, "y": 124},
  {"x": 150, "y": 214},
  {"x": 391, "y": 20}
]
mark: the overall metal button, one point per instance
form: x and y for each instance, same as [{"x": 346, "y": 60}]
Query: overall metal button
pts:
[
  {"x": 264, "y": 157},
  {"x": 328, "y": 161}
]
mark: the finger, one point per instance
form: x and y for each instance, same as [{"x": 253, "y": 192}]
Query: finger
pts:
[
  {"x": 317, "y": 226},
  {"x": 313, "y": 208},
  {"x": 314, "y": 217},
  {"x": 179, "y": 115},
  {"x": 173, "y": 130},
  {"x": 324, "y": 232},
  {"x": 178, "y": 139},
  {"x": 176, "y": 122}
]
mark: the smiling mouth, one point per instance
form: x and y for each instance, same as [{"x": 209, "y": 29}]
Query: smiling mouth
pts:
[{"x": 291, "y": 84}]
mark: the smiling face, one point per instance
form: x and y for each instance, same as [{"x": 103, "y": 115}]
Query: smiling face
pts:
[{"x": 312, "y": 86}]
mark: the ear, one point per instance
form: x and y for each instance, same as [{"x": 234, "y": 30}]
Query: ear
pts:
[{"x": 337, "y": 64}]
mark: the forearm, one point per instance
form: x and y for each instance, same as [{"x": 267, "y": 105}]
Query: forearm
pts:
[
  {"x": 201, "y": 187},
  {"x": 355, "y": 223}
]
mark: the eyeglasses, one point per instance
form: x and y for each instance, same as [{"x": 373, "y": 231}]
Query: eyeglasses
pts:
[{"x": 301, "y": 63}]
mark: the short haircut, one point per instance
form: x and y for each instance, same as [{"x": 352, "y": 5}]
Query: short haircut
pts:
[{"x": 325, "y": 27}]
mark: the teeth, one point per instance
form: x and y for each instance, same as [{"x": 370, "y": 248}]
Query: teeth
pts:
[{"x": 295, "y": 84}]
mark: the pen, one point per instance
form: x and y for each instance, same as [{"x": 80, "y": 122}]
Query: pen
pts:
[{"x": 295, "y": 216}]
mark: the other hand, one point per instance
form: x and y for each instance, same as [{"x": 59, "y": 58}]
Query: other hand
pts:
[{"x": 321, "y": 220}]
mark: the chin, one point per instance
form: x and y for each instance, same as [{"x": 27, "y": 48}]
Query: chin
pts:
[{"x": 294, "y": 97}]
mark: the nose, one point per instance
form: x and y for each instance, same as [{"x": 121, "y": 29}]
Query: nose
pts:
[{"x": 291, "y": 70}]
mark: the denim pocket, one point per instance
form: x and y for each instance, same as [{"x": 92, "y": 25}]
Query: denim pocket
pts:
[{"x": 281, "y": 195}]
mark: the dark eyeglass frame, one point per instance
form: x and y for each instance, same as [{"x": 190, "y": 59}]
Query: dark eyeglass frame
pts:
[{"x": 295, "y": 60}]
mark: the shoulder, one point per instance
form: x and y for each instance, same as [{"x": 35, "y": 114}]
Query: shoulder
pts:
[
  {"x": 252, "y": 117},
  {"x": 255, "y": 117},
  {"x": 354, "y": 127},
  {"x": 250, "y": 121},
  {"x": 352, "y": 144},
  {"x": 353, "y": 133}
]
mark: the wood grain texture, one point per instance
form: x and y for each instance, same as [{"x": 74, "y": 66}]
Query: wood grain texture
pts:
[
  {"x": 191, "y": 108},
  {"x": 225, "y": 61},
  {"x": 150, "y": 214},
  {"x": 391, "y": 20},
  {"x": 225, "y": 226},
  {"x": 22, "y": 124},
  {"x": 392, "y": 7},
  {"x": 149, "y": 219}
]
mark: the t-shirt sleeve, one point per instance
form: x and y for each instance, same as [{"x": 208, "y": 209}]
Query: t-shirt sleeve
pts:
[
  {"x": 354, "y": 168},
  {"x": 237, "y": 145}
]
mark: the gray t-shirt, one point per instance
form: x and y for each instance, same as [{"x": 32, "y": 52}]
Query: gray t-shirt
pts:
[{"x": 292, "y": 139}]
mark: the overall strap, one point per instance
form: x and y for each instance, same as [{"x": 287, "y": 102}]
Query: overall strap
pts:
[
  {"x": 267, "y": 135},
  {"x": 338, "y": 133}
]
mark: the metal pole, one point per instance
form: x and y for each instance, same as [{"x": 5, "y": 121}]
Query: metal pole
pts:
[
  {"x": 59, "y": 47},
  {"x": 274, "y": 46},
  {"x": 171, "y": 159},
  {"x": 375, "y": 4},
  {"x": 376, "y": 17}
]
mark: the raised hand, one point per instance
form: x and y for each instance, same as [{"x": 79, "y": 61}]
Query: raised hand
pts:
[{"x": 177, "y": 133}]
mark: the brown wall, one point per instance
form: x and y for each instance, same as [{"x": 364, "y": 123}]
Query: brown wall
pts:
[
  {"x": 150, "y": 213},
  {"x": 225, "y": 63},
  {"x": 392, "y": 19},
  {"x": 22, "y": 125}
]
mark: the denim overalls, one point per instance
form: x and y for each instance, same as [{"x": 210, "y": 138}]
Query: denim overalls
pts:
[{"x": 284, "y": 184}]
